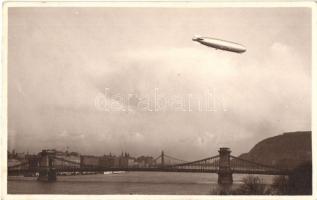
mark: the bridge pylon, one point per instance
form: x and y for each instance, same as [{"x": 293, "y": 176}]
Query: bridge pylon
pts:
[
  {"x": 162, "y": 159},
  {"x": 224, "y": 171},
  {"x": 47, "y": 171}
]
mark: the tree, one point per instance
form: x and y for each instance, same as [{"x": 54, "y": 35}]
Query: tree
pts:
[
  {"x": 252, "y": 185},
  {"x": 279, "y": 185},
  {"x": 300, "y": 180}
]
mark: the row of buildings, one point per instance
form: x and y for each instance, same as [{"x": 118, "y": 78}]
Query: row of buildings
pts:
[
  {"x": 112, "y": 161},
  {"x": 75, "y": 159}
]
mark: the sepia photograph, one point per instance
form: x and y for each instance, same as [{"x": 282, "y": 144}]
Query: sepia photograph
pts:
[{"x": 179, "y": 99}]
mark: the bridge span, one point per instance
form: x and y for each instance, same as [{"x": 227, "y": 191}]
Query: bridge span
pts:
[{"x": 223, "y": 164}]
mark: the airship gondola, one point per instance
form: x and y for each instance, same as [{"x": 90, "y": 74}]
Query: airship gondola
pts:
[{"x": 220, "y": 44}]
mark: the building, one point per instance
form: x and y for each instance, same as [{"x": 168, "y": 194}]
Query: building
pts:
[
  {"x": 124, "y": 160},
  {"x": 64, "y": 157},
  {"x": 14, "y": 162},
  {"x": 109, "y": 161},
  {"x": 133, "y": 163},
  {"x": 145, "y": 161},
  {"x": 89, "y": 161}
]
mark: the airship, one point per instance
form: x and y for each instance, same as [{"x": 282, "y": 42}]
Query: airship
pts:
[{"x": 220, "y": 44}]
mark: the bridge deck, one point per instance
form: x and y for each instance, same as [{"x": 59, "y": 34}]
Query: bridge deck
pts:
[{"x": 167, "y": 169}]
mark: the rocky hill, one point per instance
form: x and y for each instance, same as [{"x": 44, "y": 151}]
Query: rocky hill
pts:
[{"x": 287, "y": 150}]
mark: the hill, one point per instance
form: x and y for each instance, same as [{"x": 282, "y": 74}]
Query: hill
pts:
[{"x": 287, "y": 150}]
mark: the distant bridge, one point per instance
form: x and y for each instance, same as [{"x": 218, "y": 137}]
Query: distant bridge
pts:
[{"x": 223, "y": 164}]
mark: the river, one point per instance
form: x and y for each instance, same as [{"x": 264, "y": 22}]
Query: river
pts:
[{"x": 169, "y": 183}]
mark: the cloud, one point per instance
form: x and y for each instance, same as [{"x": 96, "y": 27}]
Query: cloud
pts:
[
  {"x": 254, "y": 94},
  {"x": 279, "y": 48},
  {"x": 53, "y": 89}
]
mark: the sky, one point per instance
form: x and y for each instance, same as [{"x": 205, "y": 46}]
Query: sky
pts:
[{"x": 100, "y": 80}]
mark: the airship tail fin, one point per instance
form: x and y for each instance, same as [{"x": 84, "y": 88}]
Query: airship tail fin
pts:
[{"x": 196, "y": 37}]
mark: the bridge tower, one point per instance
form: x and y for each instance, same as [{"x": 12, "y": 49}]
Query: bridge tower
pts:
[
  {"x": 224, "y": 173},
  {"x": 47, "y": 171},
  {"x": 162, "y": 159}
]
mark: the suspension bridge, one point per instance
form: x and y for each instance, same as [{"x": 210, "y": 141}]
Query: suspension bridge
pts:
[{"x": 48, "y": 165}]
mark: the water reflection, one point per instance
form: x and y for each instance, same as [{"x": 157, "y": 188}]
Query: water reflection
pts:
[{"x": 126, "y": 183}]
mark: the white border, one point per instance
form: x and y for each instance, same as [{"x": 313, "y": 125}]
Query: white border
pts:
[
  {"x": 164, "y": 3},
  {"x": 6, "y": 5}
]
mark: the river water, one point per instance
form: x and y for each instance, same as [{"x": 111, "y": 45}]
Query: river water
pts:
[{"x": 169, "y": 183}]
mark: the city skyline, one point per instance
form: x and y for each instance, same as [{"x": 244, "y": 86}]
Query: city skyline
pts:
[{"x": 60, "y": 60}]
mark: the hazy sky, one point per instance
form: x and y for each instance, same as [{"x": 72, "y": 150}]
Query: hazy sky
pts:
[{"x": 68, "y": 65}]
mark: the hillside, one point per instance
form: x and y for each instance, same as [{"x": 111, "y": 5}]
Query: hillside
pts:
[{"x": 287, "y": 150}]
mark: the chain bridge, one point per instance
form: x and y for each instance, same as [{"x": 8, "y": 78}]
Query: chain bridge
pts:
[{"x": 48, "y": 166}]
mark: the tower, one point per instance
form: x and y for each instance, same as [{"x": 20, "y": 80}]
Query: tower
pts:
[{"x": 224, "y": 172}]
